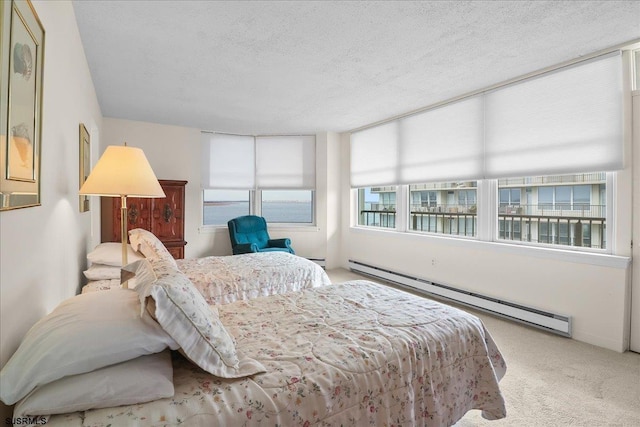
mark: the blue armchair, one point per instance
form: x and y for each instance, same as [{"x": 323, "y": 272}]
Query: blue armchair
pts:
[{"x": 249, "y": 234}]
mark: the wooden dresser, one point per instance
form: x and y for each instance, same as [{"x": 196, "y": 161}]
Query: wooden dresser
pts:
[{"x": 164, "y": 217}]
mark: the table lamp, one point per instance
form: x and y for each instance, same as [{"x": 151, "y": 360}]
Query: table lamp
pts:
[{"x": 122, "y": 172}]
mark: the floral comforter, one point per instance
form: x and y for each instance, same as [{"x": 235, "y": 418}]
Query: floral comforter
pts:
[
  {"x": 225, "y": 279},
  {"x": 351, "y": 354}
]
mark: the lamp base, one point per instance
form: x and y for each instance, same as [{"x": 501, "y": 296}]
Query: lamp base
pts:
[{"x": 123, "y": 235}]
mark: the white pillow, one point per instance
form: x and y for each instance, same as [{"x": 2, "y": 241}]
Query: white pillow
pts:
[
  {"x": 110, "y": 253},
  {"x": 150, "y": 246},
  {"x": 142, "y": 379},
  {"x": 102, "y": 272},
  {"x": 196, "y": 327},
  {"x": 84, "y": 333}
]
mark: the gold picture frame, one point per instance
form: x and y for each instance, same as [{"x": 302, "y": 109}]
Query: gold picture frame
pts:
[
  {"x": 85, "y": 165},
  {"x": 21, "y": 58}
]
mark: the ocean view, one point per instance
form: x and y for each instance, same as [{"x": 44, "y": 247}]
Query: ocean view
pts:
[{"x": 218, "y": 213}]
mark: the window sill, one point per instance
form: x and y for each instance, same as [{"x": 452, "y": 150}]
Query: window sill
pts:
[{"x": 559, "y": 254}]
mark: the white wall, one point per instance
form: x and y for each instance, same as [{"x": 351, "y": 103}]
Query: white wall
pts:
[
  {"x": 635, "y": 291},
  {"x": 43, "y": 249},
  {"x": 334, "y": 201},
  {"x": 174, "y": 153}
]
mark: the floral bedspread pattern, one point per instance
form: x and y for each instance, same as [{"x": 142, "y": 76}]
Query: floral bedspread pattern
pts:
[
  {"x": 352, "y": 354},
  {"x": 225, "y": 279}
]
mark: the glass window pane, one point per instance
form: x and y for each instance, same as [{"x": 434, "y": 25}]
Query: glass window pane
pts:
[
  {"x": 581, "y": 194},
  {"x": 377, "y": 207},
  {"x": 563, "y": 197},
  {"x": 288, "y": 206},
  {"x": 545, "y": 197},
  {"x": 581, "y": 197},
  {"x": 554, "y": 214},
  {"x": 445, "y": 208},
  {"x": 504, "y": 196},
  {"x": 222, "y": 205},
  {"x": 515, "y": 196}
]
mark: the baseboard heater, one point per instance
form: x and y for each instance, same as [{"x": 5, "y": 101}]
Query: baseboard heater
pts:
[
  {"x": 551, "y": 322},
  {"x": 319, "y": 261}
]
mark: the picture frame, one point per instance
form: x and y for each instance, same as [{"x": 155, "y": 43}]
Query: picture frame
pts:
[
  {"x": 21, "y": 60},
  {"x": 85, "y": 165}
]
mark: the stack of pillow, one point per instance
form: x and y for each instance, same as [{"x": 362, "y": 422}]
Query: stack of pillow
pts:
[
  {"x": 106, "y": 261},
  {"x": 104, "y": 349}
]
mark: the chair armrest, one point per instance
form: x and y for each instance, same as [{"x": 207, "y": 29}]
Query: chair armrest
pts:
[
  {"x": 245, "y": 248},
  {"x": 279, "y": 243}
]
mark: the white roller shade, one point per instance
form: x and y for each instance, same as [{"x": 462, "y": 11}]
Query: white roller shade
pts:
[
  {"x": 562, "y": 122},
  {"x": 443, "y": 144},
  {"x": 374, "y": 156},
  {"x": 228, "y": 161},
  {"x": 286, "y": 162}
]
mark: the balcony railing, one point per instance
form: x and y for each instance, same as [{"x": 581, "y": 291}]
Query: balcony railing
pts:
[
  {"x": 562, "y": 210},
  {"x": 584, "y": 227},
  {"x": 591, "y": 178},
  {"x": 377, "y": 218}
]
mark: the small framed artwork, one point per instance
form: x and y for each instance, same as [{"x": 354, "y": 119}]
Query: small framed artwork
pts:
[
  {"x": 85, "y": 164},
  {"x": 21, "y": 60}
]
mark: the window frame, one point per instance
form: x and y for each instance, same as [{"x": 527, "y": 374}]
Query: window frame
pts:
[
  {"x": 255, "y": 208},
  {"x": 488, "y": 227},
  {"x": 259, "y": 202},
  {"x": 255, "y": 193},
  {"x": 455, "y": 193},
  {"x": 609, "y": 220},
  {"x": 356, "y": 212}
]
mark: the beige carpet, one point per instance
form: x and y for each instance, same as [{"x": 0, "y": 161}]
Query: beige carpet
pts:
[{"x": 556, "y": 381}]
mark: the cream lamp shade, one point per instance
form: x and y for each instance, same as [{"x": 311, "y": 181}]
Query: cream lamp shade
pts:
[{"x": 122, "y": 172}]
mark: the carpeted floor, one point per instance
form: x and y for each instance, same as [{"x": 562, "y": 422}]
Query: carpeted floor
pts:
[{"x": 555, "y": 381}]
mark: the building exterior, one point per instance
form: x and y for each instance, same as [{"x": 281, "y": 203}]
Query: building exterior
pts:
[{"x": 567, "y": 210}]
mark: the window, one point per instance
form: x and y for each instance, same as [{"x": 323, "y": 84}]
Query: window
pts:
[
  {"x": 270, "y": 176},
  {"x": 545, "y": 198},
  {"x": 581, "y": 197},
  {"x": 281, "y": 206},
  {"x": 377, "y": 207},
  {"x": 564, "y": 210},
  {"x": 288, "y": 206},
  {"x": 554, "y": 214},
  {"x": 447, "y": 208},
  {"x": 220, "y": 206},
  {"x": 509, "y": 197},
  {"x": 566, "y": 197},
  {"x": 564, "y": 121}
]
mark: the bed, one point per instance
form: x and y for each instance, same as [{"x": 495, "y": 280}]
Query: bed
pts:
[
  {"x": 355, "y": 353},
  {"x": 225, "y": 279},
  {"x": 220, "y": 279}
]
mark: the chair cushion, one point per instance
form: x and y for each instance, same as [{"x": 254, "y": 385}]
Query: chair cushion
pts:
[
  {"x": 251, "y": 229},
  {"x": 273, "y": 249},
  {"x": 260, "y": 238}
]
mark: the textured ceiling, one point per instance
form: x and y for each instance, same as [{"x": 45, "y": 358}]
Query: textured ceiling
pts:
[{"x": 259, "y": 67}]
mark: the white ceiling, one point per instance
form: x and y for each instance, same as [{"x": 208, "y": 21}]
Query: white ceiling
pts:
[{"x": 260, "y": 67}]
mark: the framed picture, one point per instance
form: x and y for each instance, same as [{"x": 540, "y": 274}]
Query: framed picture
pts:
[
  {"x": 85, "y": 164},
  {"x": 21, "y": 59}
]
